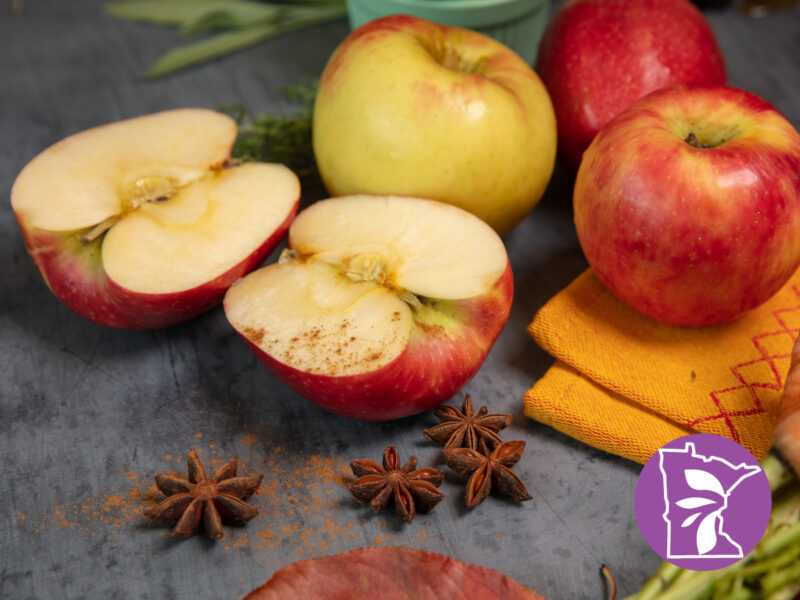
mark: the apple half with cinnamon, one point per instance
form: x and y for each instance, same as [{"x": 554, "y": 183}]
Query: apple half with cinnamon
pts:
[
  {"x": 381, "y": 306},
  {"x": 145, "y": 222}
]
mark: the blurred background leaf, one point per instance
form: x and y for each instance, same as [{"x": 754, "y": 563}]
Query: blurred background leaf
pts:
[{"x": 238, "y": 23}]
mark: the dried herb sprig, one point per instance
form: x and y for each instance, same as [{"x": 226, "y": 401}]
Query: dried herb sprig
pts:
[
  {"x": 243, "y": 23},
  {"x": 279, "y": 139}
]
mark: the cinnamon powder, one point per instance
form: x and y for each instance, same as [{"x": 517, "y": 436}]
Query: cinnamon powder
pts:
[{"x": 304, "y": 508}]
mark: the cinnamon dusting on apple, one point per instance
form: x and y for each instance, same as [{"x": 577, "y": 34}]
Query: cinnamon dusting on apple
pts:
[
  {"x": 431, "y": 329},
  {"x": 338, "y": 305},
  {"x": 254, "y": 335},
  {"x": 320, "y": 345}
]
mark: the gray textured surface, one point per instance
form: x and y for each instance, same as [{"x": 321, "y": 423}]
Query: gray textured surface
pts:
[{"x": 88, "y": 415}]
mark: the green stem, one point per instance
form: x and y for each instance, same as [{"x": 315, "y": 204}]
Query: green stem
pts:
[
  {"x": 773, "y": 543},
  {"x": 660, "y": 581},
  {"x": 697, "y": 585},
  {"x": 787, "y": 593},
  {"x": 759, "y": 567},
  {"x": 777, "y": 580},
  {"x": 770, "y": 572},
  {"x": 775, "y": 470},
  {"x": 189, "y": 55}
]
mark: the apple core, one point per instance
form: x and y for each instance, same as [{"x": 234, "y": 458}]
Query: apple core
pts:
[
  {"x": 145, "y": 222},
  {"x": 381, "y": 307}
]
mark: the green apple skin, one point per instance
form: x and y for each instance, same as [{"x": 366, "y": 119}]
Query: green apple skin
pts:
[{"x": 409, "y": 107}]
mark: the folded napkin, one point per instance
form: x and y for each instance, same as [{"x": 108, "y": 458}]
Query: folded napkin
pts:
[{"x": 627, "y": 385}]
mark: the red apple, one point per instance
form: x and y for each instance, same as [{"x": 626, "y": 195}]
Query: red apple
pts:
[
  {"x": 597, "y": 57},
  {"x": 143, "y": 223},
  {"x": 687, "y": 205},
  {"x": 381, "y": 307}
]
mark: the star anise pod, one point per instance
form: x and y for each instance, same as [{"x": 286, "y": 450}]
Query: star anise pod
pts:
[
  {"x": 463, "y": 428},
  {"x": 220, "y": 499},
  {"x": 492, "y": 472},
  {"x": 410, "y": 488}
]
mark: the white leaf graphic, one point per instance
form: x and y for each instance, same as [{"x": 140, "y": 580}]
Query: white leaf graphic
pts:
[
  {"x": 694, "y": 502},
  {"x": 707, "y": 534},
  {"x": 691, "y": 519},
  {"x": 703, "y": 481}
]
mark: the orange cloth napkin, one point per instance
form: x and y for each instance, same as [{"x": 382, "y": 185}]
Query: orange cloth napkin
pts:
[{"x": 627, "y": 385}]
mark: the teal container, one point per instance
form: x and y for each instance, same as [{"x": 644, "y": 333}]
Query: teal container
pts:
[{"x": 516, "y": 23}]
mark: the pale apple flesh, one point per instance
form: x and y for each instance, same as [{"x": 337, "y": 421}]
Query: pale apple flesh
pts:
[
  {"x": 144, "y": 223},
  {"x": 687, "y": 205},
  {"x": 409, "y": 107},
  {"x": 381, "y": 307}
]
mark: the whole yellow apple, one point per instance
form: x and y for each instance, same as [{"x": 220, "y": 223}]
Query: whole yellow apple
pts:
[{"x": 407, "y": 106}]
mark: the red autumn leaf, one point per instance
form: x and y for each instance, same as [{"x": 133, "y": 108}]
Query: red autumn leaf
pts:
[{"x": 389, "y": 573}]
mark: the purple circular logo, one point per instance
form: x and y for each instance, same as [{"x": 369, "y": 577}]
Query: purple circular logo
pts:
[{"x": 702, "y": 502}]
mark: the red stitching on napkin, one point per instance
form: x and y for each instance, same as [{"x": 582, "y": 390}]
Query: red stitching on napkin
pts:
[{"x": 752, "y": 386}]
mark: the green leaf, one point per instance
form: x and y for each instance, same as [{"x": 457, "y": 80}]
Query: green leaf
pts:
[
  {"x": 230, "y": 15},
  {"x": 238, "y": 13},
  {"x": 225, "y": 43},
  {"x": 160, "y": 12},
  {"x": 321, "y": 2}
]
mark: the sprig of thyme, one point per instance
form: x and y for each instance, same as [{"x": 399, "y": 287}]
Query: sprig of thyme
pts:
[{"x": 281, "y": 139}]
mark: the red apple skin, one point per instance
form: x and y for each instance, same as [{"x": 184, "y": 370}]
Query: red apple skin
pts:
[
  {"x": 597, "y": 57},
  {"x": 686, "y": 235},
  {"x": 432, "y": 368},
  {"x": 74, "y": 273}
]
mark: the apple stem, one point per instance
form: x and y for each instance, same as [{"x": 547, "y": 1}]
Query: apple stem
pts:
[
  {"x": 287, "y": 254},
  {"x": 99, "y": 229},
  {"x": 692, "y": 140},
  {"x": 410, "y": 298}
]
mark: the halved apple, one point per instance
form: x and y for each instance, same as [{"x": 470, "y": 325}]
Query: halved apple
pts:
[
  {"x": 381, "y": 307},
  {"x": 144, "y": 223}
]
